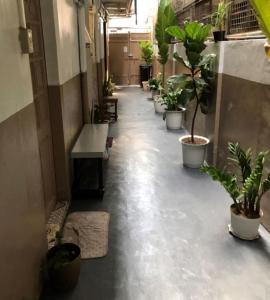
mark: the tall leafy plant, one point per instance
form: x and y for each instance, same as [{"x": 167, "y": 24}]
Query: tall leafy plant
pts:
[
  {"x": 262, "y": 9},
  {"x": 166, "y": 17},
  {"x": 147, "y": 51},
  {"x": 248, "y": 186},
  {"x": 198, "y": 83}
]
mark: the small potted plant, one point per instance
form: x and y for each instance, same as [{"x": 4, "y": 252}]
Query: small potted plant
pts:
[
  {"x": 218, "y": 20},
  {"x": 154, "y": 85},
  {"x": 246, "y": 189},
  {"x": 108, "y": 87},
  {"x": 196, "y": 85},
  {"x": 147, "y": 54},
  {"x": 174, "y": 107},
  {"x": 63, "y": 264}
]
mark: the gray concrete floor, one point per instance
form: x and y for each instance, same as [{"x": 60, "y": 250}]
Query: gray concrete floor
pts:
[{"x": 168, "y": 232}]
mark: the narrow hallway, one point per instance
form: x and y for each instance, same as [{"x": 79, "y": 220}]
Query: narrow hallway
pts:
[{"x": 168, "y": 237}]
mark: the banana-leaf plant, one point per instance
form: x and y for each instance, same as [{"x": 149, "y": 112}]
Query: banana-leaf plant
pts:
[
  {"x": 166, "y": 17},
  {"x": 246, "y": 187},
  {"x": 262, "y": 10},
  {"x": 199, "y": 81}
]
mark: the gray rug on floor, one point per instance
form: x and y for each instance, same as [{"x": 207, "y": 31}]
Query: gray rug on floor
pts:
[{"x": 90, "y": 231}]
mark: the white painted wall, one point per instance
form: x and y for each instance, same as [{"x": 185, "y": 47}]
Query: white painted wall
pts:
[
  {"x": 60, "y": 29},
  {"x": 15, "y": 75},
  {"x": 243, "y": 59}
]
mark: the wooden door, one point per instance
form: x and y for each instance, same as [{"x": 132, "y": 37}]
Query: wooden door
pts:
[
  {"x": 125, "y": 57},
  {"x": 41, "y": 100}
]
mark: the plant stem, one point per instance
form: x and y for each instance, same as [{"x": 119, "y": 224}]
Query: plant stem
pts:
[
  {"x": 163, "y": 76},
  {"x": 196, "y": 109}
]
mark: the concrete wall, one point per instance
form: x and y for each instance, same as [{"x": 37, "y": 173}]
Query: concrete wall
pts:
[
  {"x": 60, "y": 29},
  {"x": 22, "y": 211}
]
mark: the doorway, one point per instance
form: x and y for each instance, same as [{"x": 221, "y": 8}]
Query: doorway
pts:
[
  {"x": 125, "y": 57},
  {"x": 41, "y": 101}
]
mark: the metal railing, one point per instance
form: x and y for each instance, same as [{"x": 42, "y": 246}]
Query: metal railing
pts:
[{"x": 241, "y": 18}]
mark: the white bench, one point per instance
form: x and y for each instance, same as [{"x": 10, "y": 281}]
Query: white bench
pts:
[{"x": 91, "y": 144}]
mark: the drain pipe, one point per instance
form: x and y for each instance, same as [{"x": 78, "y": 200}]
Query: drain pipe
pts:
[{"x": 82, "y": 59}]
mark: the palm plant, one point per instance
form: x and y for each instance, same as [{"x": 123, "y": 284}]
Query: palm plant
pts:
[
  {"x": 166, "y": 17},
  {"x": 246, "y": 188},
  {"x": 219, "y": 16},
  {"x": 147, "y": 51},
  {"x": 198, "y": 83}
]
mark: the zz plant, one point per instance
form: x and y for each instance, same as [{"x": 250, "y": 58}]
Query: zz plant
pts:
[
  {"x": 246, "y": 187},
  {"x": 198, "y": 83}
]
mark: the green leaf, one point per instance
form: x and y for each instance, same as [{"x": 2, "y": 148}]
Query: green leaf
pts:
[
  {"x": 181, "y": 60},
  {"x": 176, "y": 32}
]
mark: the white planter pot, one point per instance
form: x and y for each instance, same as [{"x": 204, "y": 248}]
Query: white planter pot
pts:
[
  {"x": 244, "y": 228},
  {"x": 174, "y": 119},
  {"x": 159, "y": 107},
  {"x": 145, "y": 86},
  {"x": 193, "y": 154},
  {"x": 155, "y": 93}
]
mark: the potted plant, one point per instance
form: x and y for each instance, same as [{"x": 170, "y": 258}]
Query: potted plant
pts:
[
  {"x": 263, "y": 16},
  {"x": 154, "y": 85},
  {"x": 174, "y": 107},
  {"x": 218, "y": 20},
  {"x": 166, "y": 17},
  {"x": 196, "y": 85},
  {"x": 63, "y": 264},
  {"x": 108, "y": 87},
  {"x": 147, "y": 54},
  {"x": 246, "y": 189}
]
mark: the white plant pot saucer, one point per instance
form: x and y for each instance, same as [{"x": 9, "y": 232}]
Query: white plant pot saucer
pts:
[{"x": 242, "y": 237}]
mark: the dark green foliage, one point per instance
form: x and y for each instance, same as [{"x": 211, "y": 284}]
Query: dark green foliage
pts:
[
  {"x": 247, "y": 191},
  {"x": 172, "y": 99},
  {"x": 147, "y": 51},
  {"x": 154, "y": 84},
  {"x": 199, "y": 84},
  {"x": 108, "y": 87},
  {"x": 166, "y": 17}
]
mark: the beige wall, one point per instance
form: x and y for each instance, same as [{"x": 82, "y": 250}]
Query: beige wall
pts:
[
  {"x": 60, "y": 29},
  {"x": 22, "y": 212}
]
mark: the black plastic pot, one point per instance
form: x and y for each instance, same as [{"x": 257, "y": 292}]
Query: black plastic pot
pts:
[
  {"x": 219, "y": 36},
  {"x": 145, "y": 73},
  {"x": 64, "y": 276}
]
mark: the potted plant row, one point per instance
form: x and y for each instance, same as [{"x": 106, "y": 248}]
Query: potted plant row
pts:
[
  {"x": 245, "y": 189},
  {"x": 197, "y": 84}
]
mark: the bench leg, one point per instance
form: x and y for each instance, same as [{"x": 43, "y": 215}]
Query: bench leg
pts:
[
  {"x": 100, "y": 176},
  {"x": 116, "y": 115}
]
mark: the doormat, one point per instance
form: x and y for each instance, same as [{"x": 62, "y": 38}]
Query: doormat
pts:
[{"x": 90, "y": 231}]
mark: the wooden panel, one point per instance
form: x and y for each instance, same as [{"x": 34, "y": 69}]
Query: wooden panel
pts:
[
  {"x": 125, "y": 66},
  {"x": 40, "y": 91}
]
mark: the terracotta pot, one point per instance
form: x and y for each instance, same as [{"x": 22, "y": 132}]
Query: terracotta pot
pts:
[
  {"x": 244, "y": 228},
  {"x": 193, "y": 154}
]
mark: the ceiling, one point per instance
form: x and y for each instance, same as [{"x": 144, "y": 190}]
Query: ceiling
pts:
[{"x": 118, "y": 7}]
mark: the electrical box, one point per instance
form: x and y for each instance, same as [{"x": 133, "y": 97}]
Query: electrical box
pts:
[{"x": 26, "y": 40}]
